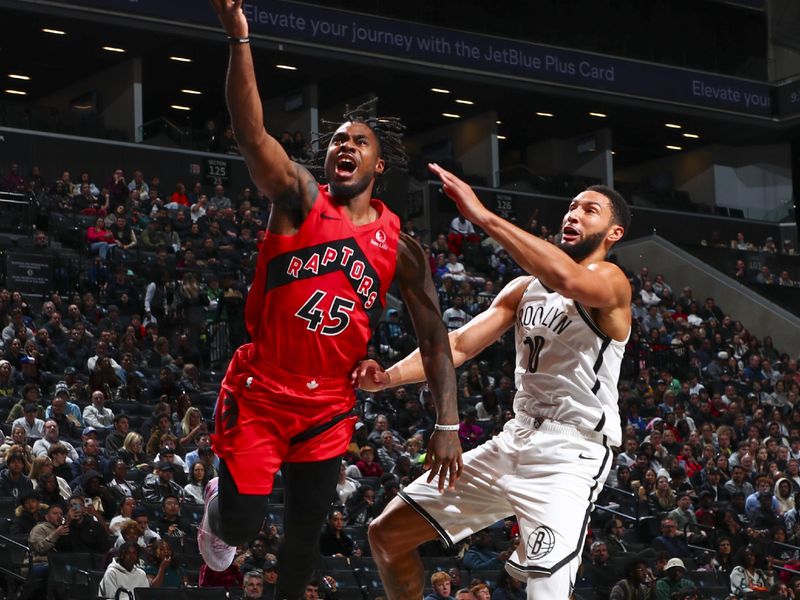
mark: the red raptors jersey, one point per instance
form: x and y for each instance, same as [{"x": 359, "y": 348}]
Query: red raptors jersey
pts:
[{"x": 318, "y": 294}]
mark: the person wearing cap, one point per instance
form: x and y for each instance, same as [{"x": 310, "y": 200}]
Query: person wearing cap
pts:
[
  {"x": 33, "y": 426},
  {"x": 160, "y": 484},
  {"x": 673, "y": 581},
  {"x": 27, "y": 515},
  {"x": 96, "y": 414},
  {"x": 167, "y": 453}
]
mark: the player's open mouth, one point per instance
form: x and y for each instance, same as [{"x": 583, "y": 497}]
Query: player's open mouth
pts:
[
  {"x": 569, "y": 234},
  {"x": 345, "y": 167}
]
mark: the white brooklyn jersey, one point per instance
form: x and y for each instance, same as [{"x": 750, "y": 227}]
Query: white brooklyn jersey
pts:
[{"x": 567, "y": 369}]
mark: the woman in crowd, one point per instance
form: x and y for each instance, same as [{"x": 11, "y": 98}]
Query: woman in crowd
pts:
[
  {"x": 44, "y": 465},
  {"x": 164, "y": 567},
  {"x": 662, "y": 499},
  {"x": 132, "y": 451},
  {"x": 198, "y": 478},
  {"x": 192, "y": 425},
  {"x": 17, "y": 438},
  {"x": 722, "y": 562},
  {"x": 334, "y": 541},
  {"x": 101, "y": 240},
  {"x": 747, "y": 576}
]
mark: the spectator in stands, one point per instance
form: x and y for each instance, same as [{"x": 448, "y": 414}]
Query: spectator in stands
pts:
[
  {"x": 157, "y": 486},
  {"x": 334, "y": 541},
  {"x": 481, "y": 556},
  {"x": 123, "y": 572},
  {"x": 198, "y": 478},
  {"x": 46, "y": 536},
  {"x": 440, "y": 581},
  {"x": 663, "y": 498},
  {"x": 669, "y": 541},
  {"x": 258, "y": 557},
  {"x": 481, "y": 591},
  {"x": 120, "y": 486},
  {"x": 132, "y": 451},
  {"x": 388, "y": 452},
  {"x": 367, "y": 465},
  {"x": 254, "y": 585},
  {"x": 68, "y": 424},
  {"x": 27, "y": 515},
  {"x": 172, "y": 523},
  {"x": 747, "y": 576},
  {"x": 33, "y": 426},
  {"x": 115, "y": 439},
  {"x": 455, "y": 316},
  {"x": 13, "y": 181},
  {"x": 51, "y": 437},
  {"x": 673, "y": 581},
  {"x": 100, "y": 239},
  {"x": 96, "y": 414},
  {"x": 738, "y": 482},
  {"x": 464, "y": 594},
  {"x": 469, "y": 432},
  {"x": 637, "y": 584}
]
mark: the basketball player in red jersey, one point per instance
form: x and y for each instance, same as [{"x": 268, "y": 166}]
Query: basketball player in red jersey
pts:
[{"x": 323, "y": 271}]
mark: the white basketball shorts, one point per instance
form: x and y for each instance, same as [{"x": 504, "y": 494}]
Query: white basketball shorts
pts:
[{"x": 546, "y": 473}]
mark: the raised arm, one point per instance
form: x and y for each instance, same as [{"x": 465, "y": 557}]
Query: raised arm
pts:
[
  {"x": 600, "y": 285},
  {"x": 291, "y": 187},
  {"x": 414, "y": 278},
  {"x": 465, "y": 342}
]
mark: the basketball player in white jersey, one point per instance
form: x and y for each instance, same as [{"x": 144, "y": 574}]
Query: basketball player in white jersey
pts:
[{"x": 572, "y": 319}]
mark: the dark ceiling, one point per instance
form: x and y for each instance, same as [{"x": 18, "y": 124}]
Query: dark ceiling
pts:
[{"x": 54, "y": 61}]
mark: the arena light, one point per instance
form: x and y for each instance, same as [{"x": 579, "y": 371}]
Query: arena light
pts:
[
  {"x": 499, "y": 122},
  {"x": 179, "y": 107},
  {"x": 544, "y": 114},
  {"x": 440, "y": 90},
  {"x": 670, "y": 147},
  {"x": 673, "y": 125},
  {"x": 451, "y": 115},
  {"x": 114, "y": 49},
  {"x": 53, "y": 31},
  {"x": 467, "y": 102},
  {"x": 598, "y": 115},
  {"x": 16, "y": 92},
  {"x": 501, "y": 137},
  {"x": 192, "y": 92},
  {"x": 286, "y": 67},
  {"x": 20, "y": 77},
  {"x": 181, "y": 59},
  {"x": 693, "y": 136}
]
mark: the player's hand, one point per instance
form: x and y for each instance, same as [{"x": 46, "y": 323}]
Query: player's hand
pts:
[
  {"x": 231, "y": 16},
  {"x": 459, "y": 192},
  {"x": 444, "y": 458},
  {"x": 369, "y": 376}
]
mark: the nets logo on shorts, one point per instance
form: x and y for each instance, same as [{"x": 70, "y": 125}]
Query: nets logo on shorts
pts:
[{"x": 540, "y": 542}]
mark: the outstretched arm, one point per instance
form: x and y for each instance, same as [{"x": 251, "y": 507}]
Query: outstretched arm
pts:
[
  {"x": 414, "y": 278},
  {"x": 600, "y": 285},
  {"x": 465, "y": 343},
  {"x": 291, "y": 187}
]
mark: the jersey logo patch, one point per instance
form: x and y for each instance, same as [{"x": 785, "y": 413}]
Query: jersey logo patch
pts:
[
  {"x": 312, "y": 385},
  {"x": 380, "y": 240},
  {"x": 540, "y": 542}
]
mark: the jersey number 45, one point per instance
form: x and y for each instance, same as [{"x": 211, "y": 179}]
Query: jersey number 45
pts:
[{"x": 338, "y": 314}]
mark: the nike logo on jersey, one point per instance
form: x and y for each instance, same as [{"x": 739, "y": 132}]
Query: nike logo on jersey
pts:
[
  {"x": 580, "y": 455},
  {"x": 327, "y": 217}
]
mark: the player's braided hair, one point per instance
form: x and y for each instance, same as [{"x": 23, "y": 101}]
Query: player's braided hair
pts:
[{"x": 388, "y": 130}]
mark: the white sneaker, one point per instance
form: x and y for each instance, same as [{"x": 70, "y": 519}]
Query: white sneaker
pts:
[{"x": 217, "y": 554}]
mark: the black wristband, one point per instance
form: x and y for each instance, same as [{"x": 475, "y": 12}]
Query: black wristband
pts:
[{"x": 238, "y": 40}]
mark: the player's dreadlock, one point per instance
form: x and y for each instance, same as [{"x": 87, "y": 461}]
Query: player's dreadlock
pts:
[{"x": 388, "y": 130}]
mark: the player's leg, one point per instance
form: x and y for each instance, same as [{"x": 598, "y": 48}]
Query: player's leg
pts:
[
  {"x": 308, "y": 488},
  {"x": 244, "y": 513},
  {"x": 393, "y": 539}
]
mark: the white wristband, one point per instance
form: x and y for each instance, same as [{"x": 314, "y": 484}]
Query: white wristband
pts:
[{"x": 438, "y": 427}]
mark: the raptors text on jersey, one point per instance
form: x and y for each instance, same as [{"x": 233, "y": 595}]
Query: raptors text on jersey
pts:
[{"x": 318, "y": 294}]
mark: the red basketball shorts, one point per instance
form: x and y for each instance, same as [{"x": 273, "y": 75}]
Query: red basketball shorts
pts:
[{"x": 267, "y": 416}]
